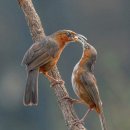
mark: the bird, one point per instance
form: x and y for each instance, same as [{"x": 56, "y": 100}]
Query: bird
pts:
[
  {"x": 41, "y": 57},
  {"x": 84, "y": 82}
]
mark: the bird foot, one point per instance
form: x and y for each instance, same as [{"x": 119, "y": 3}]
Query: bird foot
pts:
[
  {"x": 75, "y": 122},
  {"x": 71, "y": 100},
  {"x": 55, "y": 82}
]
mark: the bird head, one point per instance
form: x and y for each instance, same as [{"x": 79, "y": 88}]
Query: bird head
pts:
[
  {"x": 89, "y": 51},
  {"x": 84, "y": 41},
  {"x": 65, "y": 36}
]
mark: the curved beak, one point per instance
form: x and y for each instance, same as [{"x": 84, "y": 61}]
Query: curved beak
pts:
[{"x": 81, "y": 39}]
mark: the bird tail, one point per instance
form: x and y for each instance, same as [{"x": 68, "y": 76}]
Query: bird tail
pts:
[
  {"x": 102, "y": 120},
  {"x": 31, "y": 91}
]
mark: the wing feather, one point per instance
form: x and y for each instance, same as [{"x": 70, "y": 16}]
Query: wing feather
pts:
[
  {"x": 89, "y": 84},
  {"x": 40, "y": 54}
]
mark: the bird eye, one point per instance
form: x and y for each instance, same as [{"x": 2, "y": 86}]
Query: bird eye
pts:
[
  {"x": 68, "y": 34},
  {"x": 86, "y": 46}
]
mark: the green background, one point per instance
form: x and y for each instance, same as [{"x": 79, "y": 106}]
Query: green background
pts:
[{"x": 106, "y": 24}]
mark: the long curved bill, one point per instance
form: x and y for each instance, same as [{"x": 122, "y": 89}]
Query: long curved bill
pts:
[{"x": 82, "y": 39}]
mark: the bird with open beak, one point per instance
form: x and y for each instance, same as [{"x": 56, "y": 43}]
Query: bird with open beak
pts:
[
  {"x": 84, "y": 82},
  {"x": 42, "y": 57}
]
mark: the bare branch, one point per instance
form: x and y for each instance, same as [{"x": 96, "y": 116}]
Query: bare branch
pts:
[
  {"x": 37, "y": 33},
  {"x": 33, "y": 20}
]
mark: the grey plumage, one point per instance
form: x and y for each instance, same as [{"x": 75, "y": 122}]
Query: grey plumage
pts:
[{"x": 37, "y": 55}]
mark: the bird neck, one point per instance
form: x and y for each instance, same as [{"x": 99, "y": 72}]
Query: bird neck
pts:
[
  {"x": 62, "y": 44},
  {"x": 61, "y": 41},
  {"x": 87, "y": 61}
]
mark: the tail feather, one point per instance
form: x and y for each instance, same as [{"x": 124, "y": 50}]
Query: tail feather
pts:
[
  {"x": 31, "y": 91},
  {"x": 102, "y": 120}
]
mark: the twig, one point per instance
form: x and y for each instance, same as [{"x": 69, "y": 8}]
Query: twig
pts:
[{"x": 37, "y": 33}]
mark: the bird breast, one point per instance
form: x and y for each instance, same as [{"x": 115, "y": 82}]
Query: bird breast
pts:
[{"x": 75, "y": 79}]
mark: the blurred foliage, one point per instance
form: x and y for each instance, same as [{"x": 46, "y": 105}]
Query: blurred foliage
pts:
[{"x": 106, "y": 24}]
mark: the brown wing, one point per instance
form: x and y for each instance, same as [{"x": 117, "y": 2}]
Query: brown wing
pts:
[
  {"x": 90, "y": 87},
  {"x": 33, "y": 52},
  {"x": 40, "y": 54}
]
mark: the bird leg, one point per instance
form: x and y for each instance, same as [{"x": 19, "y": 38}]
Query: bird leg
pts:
[
  {"x": 82, "y": 119},
  {"x": 71, "y": 100},
  {"x": 53, "y": 81}
]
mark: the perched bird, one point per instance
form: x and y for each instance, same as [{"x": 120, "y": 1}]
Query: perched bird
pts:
[
  {"x": 84, "y": 82},
  {"x": 42, "y": 57}
]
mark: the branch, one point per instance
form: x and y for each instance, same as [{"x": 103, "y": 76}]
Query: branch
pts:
[
  {"x": 32, "y": 19},
  {"x": 37, "y": 33}
]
